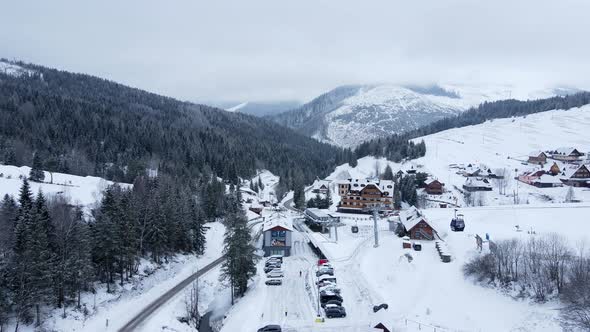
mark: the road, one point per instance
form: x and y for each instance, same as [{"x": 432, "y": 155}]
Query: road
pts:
[{"x": 136, "y": 321}]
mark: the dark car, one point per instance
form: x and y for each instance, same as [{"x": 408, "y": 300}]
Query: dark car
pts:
[
  {"x": 271, "y": 267},
  {"x": 273, "y": 263},
  {"x": 274, "y": 282},
  {"x": 325, "y": 297},
  {"x": 379, "y": 307},
  {"x": 335, "y": 311},
  {"x": 334, "y": 302},
  {"x": 270, "y": 328}
]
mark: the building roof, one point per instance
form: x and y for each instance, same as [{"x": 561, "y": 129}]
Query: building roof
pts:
[
  {"x": 546, "y": 178},
  {"x": 431, "y": 180},
  {"x": 382, "y": 185},
  {"x": 477, "y": 182},
  {"x": 566, "y": 151},
  {"x": 570, "y": 170},
  {"x": 317, "y": 184},
  {"x": 411, "y": 217},
  {"x": 536, "y": 153},
  {"x": 285, "y": 223}
]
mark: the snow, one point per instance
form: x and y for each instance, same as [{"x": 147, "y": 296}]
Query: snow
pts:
[
  {"x": 14, "y": 70},
  {"x": 237, "y": 107},
  {"x": 81, "y": 190}
]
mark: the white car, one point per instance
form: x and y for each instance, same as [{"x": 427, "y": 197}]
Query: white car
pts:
[{"x": 275, "y": 274}]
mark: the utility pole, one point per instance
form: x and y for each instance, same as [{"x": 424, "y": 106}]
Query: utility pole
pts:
[{"x": 375, "y": 208}]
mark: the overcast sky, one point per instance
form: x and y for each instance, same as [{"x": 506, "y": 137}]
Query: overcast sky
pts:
[{"x": 274, "y": 50}]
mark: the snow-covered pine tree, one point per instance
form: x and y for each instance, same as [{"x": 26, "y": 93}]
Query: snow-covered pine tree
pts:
[
  {"x": 260, "y": 184},
  {"x": 36, "y": 174},
  {"x": 20, "y": 277},
  {"x": 240, "y": 263}
]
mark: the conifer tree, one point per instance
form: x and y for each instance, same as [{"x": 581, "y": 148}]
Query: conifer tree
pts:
[{"x": 37, "y": 174}]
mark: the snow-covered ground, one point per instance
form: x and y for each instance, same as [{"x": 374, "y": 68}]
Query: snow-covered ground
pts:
[{"x": 82, "y": 190}]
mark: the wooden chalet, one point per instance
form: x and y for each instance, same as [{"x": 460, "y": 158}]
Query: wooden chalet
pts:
[
  {"x": 537, "y": 157},
  {"x": 434, "y": 187},
  {"x": 416, "y": 226},
  {"x": 320, "y": 186},
  {"x": 356, "y": 195},
  {"x": 576, "y": 176},
  {"x": 477, "y": 184},
  {"x": 566, "y": 154}
]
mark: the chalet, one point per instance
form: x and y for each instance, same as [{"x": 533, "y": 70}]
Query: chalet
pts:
[
  {"x": 566, "y": 154},
  {"x": 277, "y": 237},
  {"x": 537, "y": 157},
  {"x": 530, "y": 177},
  {"x": 320, "y": 186},
  {"x": 576, "y": 176},
  {"x": 477, "y": 184},
  {"x": 434, "y": 187},
  {"x": 356, "y": 195},
  {"x": 547, "y": 181},
  {"x": 416, "y": 226},
  {"x": 471, "y": 171}
]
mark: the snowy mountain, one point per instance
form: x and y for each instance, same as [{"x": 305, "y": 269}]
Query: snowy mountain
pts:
[
  {"x": 349, "y": 115},
  {"x": 13, "y": 69}
]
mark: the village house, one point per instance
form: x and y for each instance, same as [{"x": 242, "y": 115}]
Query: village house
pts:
[
  {"x": 547, "y": 181},
  {"x": 434, "y": 187},
  {"x": 537, "y": 157},
  {"x": 576, "y": 176},
  {"x": 320, "y": 186},
  {"x": 356, "y": 195},
  {"x": 566, "y": 154},
  {"x": 531, "y": 176},
  {"x": 277, "y": 237},
  {"x": 256, "y": 208},
  {"x": 477, "y": 184},
  {"x": 415, "y": 225}
]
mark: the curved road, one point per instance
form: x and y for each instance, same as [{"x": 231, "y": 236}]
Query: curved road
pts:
[{"x": 136, "y": 321}]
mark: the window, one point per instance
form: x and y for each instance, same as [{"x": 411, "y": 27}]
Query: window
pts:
[{"x": 389, "y": 186}]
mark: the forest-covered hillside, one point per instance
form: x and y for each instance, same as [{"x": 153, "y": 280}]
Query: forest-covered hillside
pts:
[{"x": 85, "y": 125}]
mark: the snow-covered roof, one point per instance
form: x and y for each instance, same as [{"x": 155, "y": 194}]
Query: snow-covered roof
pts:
[
  {"x": 536, "y": 153},
  {"x": 477, "y": 182},
  {"x": 430, "y": 180},
  {"x": 546, "y": 178},
  {"x": 566, "y": 151},
  {"x": 382, "y": 185},
  {"x": 411, "y": 217},
  {"x": 281, "y": 222},
  {"x": 570, "y": 170},
  {"x": 317, "y": 184}
]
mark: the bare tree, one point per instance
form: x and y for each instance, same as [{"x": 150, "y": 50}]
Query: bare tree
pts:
[
  {"x": 502, "y": 179},
  {"x": 193, "y": 317}
]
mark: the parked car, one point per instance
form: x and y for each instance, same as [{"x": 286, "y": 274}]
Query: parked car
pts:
[
  {"x": 271, "y": 267},
  {"x": 332, "y": 302},
  {"x": 335, "y": 311},
  {"x": 325, "y": 271},
  {"x": 270, "y": 328},
  {"x": 274, "y": 282},
  {"x": 273, "y": 262},
  {"x": 417, "y": 245},
  {"x": 275, "y": 274},
  {"x": 330, "y": 288},
  {"x": 326, "y": 278},
  {"x": 277, "y": 257},
  {"x": 379, "y": 307},
  {"x": 325, "y": 297}
]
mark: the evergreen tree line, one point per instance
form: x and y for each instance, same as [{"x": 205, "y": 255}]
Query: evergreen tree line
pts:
[
  {"x": 83, "y": 125},
  {"x": 51, "y": 252},
  {"x": 400, "y": 146}
]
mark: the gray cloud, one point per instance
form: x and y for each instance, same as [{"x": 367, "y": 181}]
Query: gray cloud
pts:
[{"x": 270, "y": 50}]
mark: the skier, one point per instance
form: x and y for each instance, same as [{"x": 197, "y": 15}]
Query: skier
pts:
[
  {"x": 285, "y": 313},
  {"x": 300, "y": 273}
]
